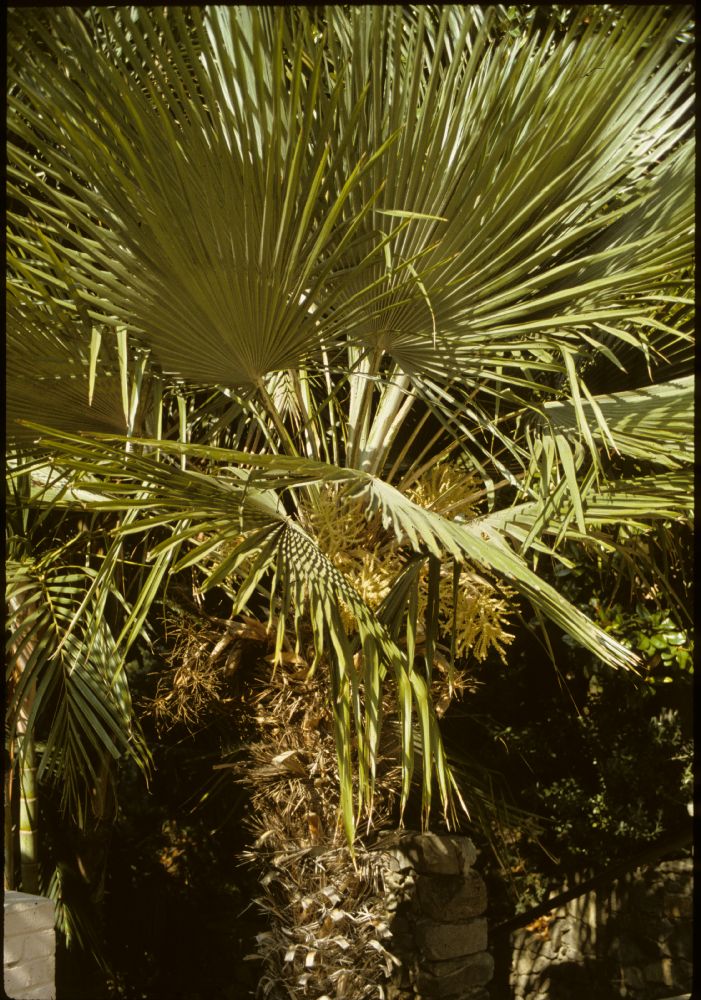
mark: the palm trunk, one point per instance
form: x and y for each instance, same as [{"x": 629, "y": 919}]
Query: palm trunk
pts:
[
  {"x": 28, "y": 804},
  {"x": 28, "y": 816},
  {"x": 9, "y": 831}
]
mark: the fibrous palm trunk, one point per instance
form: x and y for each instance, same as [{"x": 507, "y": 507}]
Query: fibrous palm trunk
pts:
[{"x": 328, "y": 930}]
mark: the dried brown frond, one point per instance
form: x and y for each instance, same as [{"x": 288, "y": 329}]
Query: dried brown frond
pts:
[{"x": 200, "y": 657}]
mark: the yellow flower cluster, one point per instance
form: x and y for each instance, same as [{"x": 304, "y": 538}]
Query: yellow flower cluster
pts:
[
  {"x": 368, "y": 557},
  {"x": 447, "y": 490},
  {"x": 480, "y": 611}
]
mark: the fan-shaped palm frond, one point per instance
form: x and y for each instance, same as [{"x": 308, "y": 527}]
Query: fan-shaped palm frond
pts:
[
  {"x": 541, "y": 163},
  {"x": 214, "y": 216},
  {"x": 525, "y": 220}
]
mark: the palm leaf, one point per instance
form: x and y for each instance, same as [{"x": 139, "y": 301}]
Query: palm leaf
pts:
[
  {"x": 223, "y": 508},
  {"x": 541, "y": 235},
  {"x": 51, "y": 375},
  {"x": 634, "y": 503},
  {"x": 75, "y": 689},
  {"x": 563, "y": 245}
]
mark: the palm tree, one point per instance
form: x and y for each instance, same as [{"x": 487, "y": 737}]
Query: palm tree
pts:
[{"x": 326, "y": 309}]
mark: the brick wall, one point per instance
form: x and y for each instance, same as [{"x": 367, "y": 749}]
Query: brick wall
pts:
[{"x": 30, "y": 947}]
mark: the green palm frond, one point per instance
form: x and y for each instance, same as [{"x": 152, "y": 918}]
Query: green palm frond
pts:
[
  {"x": 192, "y": 496},
  {"x": 542, "y": 164},
  {"x": 77, "y": 916},
  {"x": 489, "y": 549},
  {"x": 667, "y": 496},
  {"x": 277, "y": 555},
  {"x": 222, "y": 509},
  {"x": 73, "y": 688},
  {"x": 54, "y": 362},
  {"x": 635, "y": 503},
  {"x": 653, "y": 424},
  {"x": 527, "y": 223}
]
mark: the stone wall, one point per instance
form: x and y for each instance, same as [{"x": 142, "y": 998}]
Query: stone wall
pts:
[
  {"x": 29, "y": 947},
  {"x": 436, "y": 903},
  {"x": 633, "y": 940}
]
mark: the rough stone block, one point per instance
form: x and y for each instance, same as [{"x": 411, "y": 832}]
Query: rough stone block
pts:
[
  {"x": 467, "y": 851},
  {"x": 451, "y": 898},
  {"x": 427, "y": 853},
  {"x": 443, "y": 941},
  {"x": 29, "y": 946},
  {"x": 25, "y": 913},
  {"x": 41, "y": 944},
  {"x": 396, "y": 859},
  {"x": 453, "y": 977},
  {"x": 534, "y": 963},
  {"x": 13, "y": 948},
  {"x": 31, "y": 980},
  {"x": 25, "y": 947}
]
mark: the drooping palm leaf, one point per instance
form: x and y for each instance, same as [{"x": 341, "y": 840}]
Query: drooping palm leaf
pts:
[
  {"x": 221, "y": 510},
  {"x": 160, "y": 493},
  {"x": 74, "y": 689},
  {"x": 423, "y": 530}
]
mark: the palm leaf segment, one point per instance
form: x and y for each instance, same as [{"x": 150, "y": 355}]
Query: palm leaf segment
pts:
[{"x": 444, "y": 231}]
